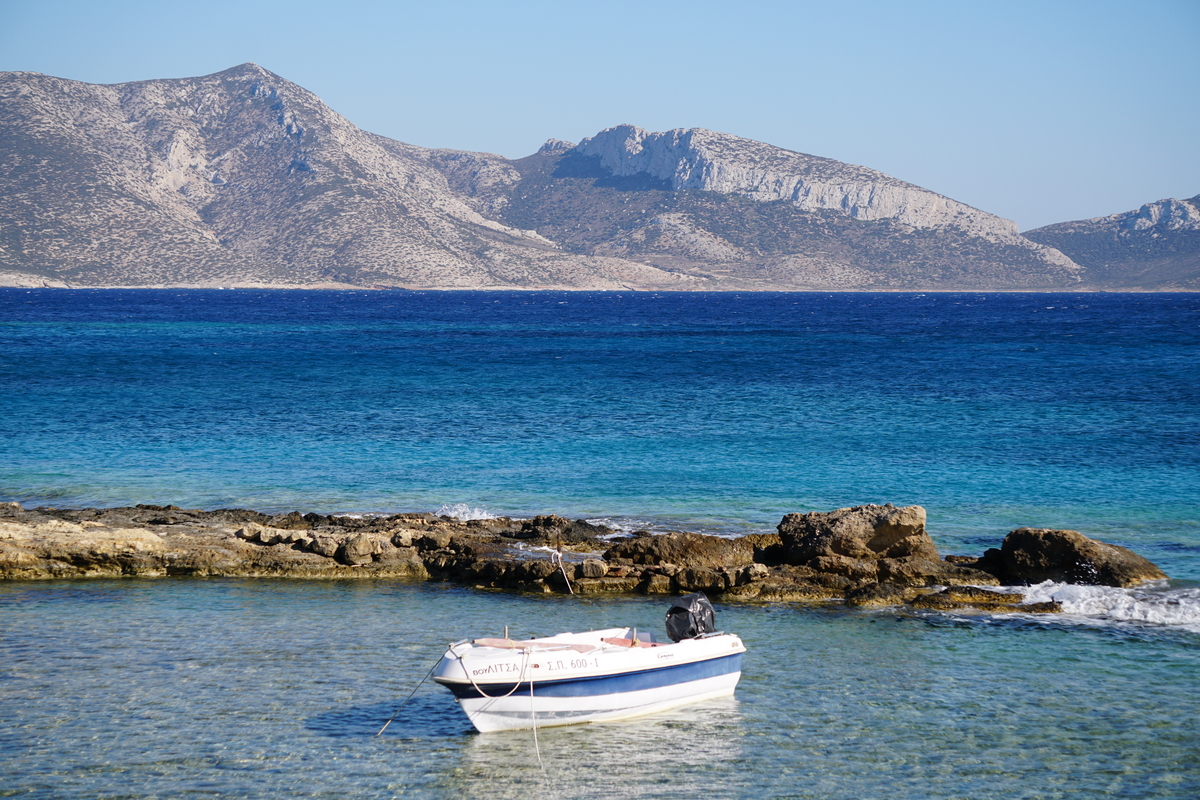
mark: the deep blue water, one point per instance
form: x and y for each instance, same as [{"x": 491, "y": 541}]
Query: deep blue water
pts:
[{"x": 716, "y": 413}]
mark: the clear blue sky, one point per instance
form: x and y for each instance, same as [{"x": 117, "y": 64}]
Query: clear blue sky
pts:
[{"x": 1040, "y": 111}]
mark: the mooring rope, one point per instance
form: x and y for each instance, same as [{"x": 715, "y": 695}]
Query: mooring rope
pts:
[
  {"x": 527, "y": 651},
  {"x": 517, "y": 685},
  {"x": 410, "y": 695},
  {"x": 533, "y": 720},
  {"x": 559, "y": 560}
]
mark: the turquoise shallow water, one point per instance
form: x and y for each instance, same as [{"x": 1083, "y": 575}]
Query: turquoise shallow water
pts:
[
  {"x": 226, "y": 688},
  {"x": 716, "y": 413}
]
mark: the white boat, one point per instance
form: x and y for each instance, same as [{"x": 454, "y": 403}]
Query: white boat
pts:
[{"x": 611, "y": 674}]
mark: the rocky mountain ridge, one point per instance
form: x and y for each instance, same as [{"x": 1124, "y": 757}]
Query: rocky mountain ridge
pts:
[
  {"x": 1155, "y": 246},
  {"x": 714, "y": 162},
  {"x": 242, "y": 178}
]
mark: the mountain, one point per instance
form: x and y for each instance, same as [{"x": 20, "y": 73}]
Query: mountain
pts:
[
  {"x": 242, "y": 178},
  {"x": 742, "y": 214},
  {"x": 1154, "y": 247}
]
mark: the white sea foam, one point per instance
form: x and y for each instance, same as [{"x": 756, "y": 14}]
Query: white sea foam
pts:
[
  {"x": 463, "y": 512},
  {"x": 1154, "y": 604},
  {"x": 622, "y": 528}
]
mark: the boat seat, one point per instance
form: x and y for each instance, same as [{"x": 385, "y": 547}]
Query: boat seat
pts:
[
  {"x": 510, "y": 644},
  {"x": 629, "y": 642}
]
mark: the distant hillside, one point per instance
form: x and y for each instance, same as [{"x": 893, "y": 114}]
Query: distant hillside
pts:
[
  {"x": 242, "y": 178},
  {"x": 764, "y": 228},
  {"x": 1155, "y": 247}
]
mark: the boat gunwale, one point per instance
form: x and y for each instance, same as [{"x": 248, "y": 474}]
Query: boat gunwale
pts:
[{"x": 510, "y": 687}]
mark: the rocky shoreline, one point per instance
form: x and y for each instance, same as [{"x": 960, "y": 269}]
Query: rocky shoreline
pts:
[{"x": 874, "y": 555}]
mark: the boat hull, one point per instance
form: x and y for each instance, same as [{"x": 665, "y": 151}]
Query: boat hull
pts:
[{"x": 545, "y": 685}]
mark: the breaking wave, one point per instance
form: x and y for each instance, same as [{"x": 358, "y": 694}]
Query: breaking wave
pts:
[
  {"x": 1155, "y": 604},
  {"x": 464, "y": 512}
]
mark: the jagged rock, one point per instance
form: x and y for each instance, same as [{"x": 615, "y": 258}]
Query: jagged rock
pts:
[
  {"x": 916, "y": 571},
  {"x": 477, "y": 547},
  {"x": 682, "y": 549},
  {"x": 390, "y": 554},
  {"x": 701, "y": 579},
  {"x": 552, "y": 529},
  {"x": 768, "y": 547},
  {"x": 292, "y": 521},
  {"x": 357, "y": 550},
  {"x": 537, "y": 570},
  {"x": 543, "y": 527},
  {"x": 1033, "y": 555},
  {"x": 433, "y": 540},
  {"x": 774, "y": 591},
  {"x": 495, "y": 526},
  {"x": 66, "y": 543},
  {"x": 749, "y": 574},
  {"x": 866, "y": 533},
  {"x": 856, "y": 569},
  {"x": 326, "y": 546},
  {"x": 262, "y": 534},
  {"x": 490, "y": 573}
]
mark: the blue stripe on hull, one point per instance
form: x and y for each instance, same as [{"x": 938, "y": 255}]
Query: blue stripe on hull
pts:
[{"x": 590, "y": 686}]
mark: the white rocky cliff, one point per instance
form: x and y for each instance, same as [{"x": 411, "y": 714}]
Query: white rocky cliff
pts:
[
  {"x": 719, "y": 162},
  {"x": 1158, "y": 218}
]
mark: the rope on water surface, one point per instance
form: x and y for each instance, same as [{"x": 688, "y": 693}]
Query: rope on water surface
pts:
[
  {"x": 528, "y": 651},
  {"x": 533, "y": 719},
  {"x": 410, "y": 695}
]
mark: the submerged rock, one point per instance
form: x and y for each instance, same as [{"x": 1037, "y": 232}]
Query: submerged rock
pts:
[{"x": 959, "y": 597}]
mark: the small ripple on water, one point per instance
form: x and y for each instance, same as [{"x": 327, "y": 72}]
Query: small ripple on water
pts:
[{"x": 222, "y": 688}]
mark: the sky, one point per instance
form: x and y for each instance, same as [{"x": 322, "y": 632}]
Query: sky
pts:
[{"x": 1039, "y": 112}]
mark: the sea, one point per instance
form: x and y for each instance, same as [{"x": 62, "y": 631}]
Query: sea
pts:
[{"x": 709, "y": 412}]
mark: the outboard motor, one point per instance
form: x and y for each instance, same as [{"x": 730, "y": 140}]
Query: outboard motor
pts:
[{"x": 690, "y": 616}]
